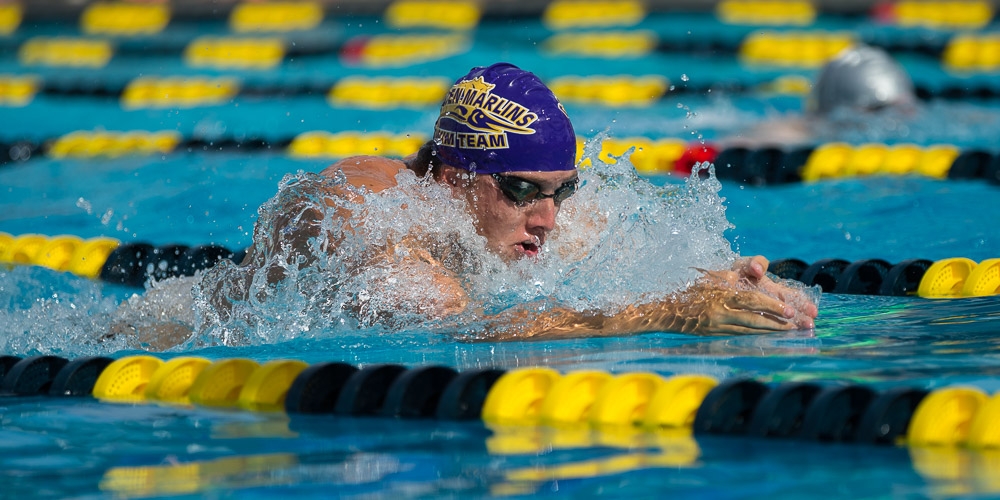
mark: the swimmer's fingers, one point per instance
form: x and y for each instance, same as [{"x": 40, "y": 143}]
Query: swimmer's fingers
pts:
[
  {"x": 797, "y": 298},
  {"x": 757, "y": 311},
  {"x": 752, "y": 268},
  {"x": 752, "y": 271},
  {"x": 744, "y": 330},
  {"x": 758, "y": 302},
  {"x": 806, "y": 307},
  {"x": 760, "y": 312},
  {"x": 801, "y": 316}
]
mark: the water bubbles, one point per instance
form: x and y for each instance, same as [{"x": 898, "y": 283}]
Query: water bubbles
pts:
[
  {"x": 85, "y": 205},
  {"x": 19, "y": 152},
  {"x": 684, "y": 77},
  {"x": 106, "y": 218}
]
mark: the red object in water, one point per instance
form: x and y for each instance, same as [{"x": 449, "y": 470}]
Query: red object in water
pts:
[
  {"x": 695, "y": 153},
  {"x": 884, "y": 12},
  {"x": 354, "y": 49}
]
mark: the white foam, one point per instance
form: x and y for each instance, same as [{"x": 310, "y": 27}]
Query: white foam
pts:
[
  {"x": 620, "y": 240},
  {"x": 45, "y": 312}
]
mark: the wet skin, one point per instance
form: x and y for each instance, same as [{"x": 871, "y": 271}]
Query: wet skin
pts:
[
  {"x": 512, "y": 230},
  {"x": 740, "y": 300}
]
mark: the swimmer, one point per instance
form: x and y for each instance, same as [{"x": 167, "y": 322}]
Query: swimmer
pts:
[
  {"x": 859, "y": 83},
  {"x": 861, "y": 79},
  {"x": 504, "y": 145}
]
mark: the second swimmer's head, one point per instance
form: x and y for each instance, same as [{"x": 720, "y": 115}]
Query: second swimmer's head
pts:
[{"x": 860, "y": 78}]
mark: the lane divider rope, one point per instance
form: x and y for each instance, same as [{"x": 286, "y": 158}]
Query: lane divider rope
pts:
[
  {"x": 945, "y": 278},
  {"x": 755, "y": 167},
  {"x": 219, "y": 54},
  {"x": 682, "y": 404},
  {"x": 258, "y": 47},
  {"x": 133, "y": 264}
]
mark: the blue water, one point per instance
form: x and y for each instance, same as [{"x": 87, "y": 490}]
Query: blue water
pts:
[
  {"x": 193, "y": 199},
  {"x": 85, "y": 449},
  {"x": 56, "y": 446}
]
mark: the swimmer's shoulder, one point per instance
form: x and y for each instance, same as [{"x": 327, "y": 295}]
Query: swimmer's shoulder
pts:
[
  {"x": 375, "y": 173},
  {"x": 783, "y": 132}
]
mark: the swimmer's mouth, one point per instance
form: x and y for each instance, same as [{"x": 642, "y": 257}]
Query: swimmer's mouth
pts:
[{"x": 529, "y": 248}]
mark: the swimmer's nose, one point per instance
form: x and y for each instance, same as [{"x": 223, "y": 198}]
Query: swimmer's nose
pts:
[{"x": 542, "y": 215}]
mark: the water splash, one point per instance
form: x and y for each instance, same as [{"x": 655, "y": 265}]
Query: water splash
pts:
[
  {"x": 364, "y": 265},
  {"x": 331, "y": 261},
  {"x": 45, "y": 312}
]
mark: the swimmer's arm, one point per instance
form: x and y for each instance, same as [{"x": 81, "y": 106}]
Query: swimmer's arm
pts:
[
  {"x": 442, "y": 294},
  {"x": 299, "y": 222},
  {"x": 700, "y": 310},
  {"x": 715, "y": 305}
]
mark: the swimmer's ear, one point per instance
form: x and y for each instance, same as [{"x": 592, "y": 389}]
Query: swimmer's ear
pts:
[{"x": 453, "y": 176}]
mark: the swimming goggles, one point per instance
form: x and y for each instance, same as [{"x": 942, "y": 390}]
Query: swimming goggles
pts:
[{"x": 522, "y": 191}]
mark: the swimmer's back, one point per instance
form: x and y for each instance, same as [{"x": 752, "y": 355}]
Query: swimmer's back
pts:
[{"x": 374, "y": 173}]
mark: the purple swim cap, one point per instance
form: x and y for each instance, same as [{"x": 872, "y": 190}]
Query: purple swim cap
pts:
[{"x": 504, "y": 119}]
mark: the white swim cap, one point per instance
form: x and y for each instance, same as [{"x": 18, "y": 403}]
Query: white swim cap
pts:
[{"x": 862, "y": 78}]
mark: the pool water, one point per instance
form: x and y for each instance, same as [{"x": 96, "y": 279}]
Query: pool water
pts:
[{"x": 83, "y": 448}]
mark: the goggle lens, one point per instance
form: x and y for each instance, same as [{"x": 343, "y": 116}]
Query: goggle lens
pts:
[{"x": 524, "y": 191}]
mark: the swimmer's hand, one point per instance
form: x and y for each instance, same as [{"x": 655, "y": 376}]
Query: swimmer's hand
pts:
[
  {"x": 752, "y": 272},
  {"x": 744, "y": 300},
  {"x": 714, "y": 308}
]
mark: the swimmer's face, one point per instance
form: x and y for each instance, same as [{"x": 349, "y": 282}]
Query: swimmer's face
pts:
[{"x": 514, "y": 230}]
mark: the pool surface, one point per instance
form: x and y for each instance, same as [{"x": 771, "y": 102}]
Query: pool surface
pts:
[{"x": 223, "y": 157}]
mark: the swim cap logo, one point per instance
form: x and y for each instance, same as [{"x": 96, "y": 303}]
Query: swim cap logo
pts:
[{"x": 489, "y": 117}]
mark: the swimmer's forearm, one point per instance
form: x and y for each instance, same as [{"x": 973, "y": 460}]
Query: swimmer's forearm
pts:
[
  {"x": 703, "y": 309},
  {"x": 665, "y": 315},
  {"x": 668, "y": 315}
]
